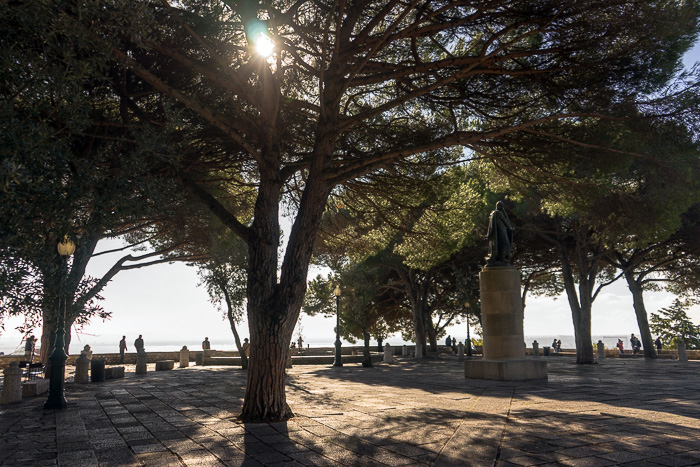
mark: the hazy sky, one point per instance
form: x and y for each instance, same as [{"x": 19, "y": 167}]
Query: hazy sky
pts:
[{"x": 165, "y": 304}]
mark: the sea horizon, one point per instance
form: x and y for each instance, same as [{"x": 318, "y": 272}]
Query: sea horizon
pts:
[{"x": 99, "y": 346}]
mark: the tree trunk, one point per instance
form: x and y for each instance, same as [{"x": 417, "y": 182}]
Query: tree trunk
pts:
[
  {"x": 367, "y": 361},
  {"x": 432, "y": 335},
  {"x": 236, "y": 337},
  {"x": 582, "y": 333},
  {"x": 232, "y": 323},
  {"x": 418, "y": 326},
  {"x": 49, "y": 313},
  {"x": 265, "y": 398},
  {"x": 273, "y": 308},
  {"x": 580, "y": 311},
  {"x": 415, "y": 299},
  {"x": 641, "y": 312}
]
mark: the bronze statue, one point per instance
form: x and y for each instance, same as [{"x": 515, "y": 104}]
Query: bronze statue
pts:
[{"x": 500, "y": 236}]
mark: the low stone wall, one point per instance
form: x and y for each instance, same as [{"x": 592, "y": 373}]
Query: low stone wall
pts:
[
  {"x": 296, "y": 360},
  {"x": 130, "y": 358},
  {"x": 5, "y": 360},
  {"x": 614, "y": 353}
]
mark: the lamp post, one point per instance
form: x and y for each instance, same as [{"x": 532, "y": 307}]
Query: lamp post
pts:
[
  {"x": 338, "y": 359},
  {"x": 57, "y": 360},
  {"x": 469, "y": 339}
]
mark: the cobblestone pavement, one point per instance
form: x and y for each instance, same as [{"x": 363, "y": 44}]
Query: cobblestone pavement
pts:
[{"x": 410, "y": 413}]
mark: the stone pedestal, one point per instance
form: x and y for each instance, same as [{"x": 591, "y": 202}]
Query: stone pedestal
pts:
[
  {"x": 82, "y": 365},
  {"x": 535, "y": 349},
  {"x": 601, "y": 350},
  {"x": 388, "y": 354},
  {"x": 165, "y": 365},
  {"x": 184, "y": 357},
  {"x": 682, "y": 354},
  {"x": 97, "y": 370},
  {"x": 11, "y": 384},
  {"x": 404, "y": 351},
  {"x": 141, "y": 359},
  {"x": 502, "y": 320},
  {"x": 35, "y": 387},
  {"x": 460, "y": 350},
  {"x": 114, "y": 372}
]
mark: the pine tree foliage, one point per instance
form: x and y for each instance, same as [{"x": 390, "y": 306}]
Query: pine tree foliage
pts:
[{"x": 673, "y": 324}]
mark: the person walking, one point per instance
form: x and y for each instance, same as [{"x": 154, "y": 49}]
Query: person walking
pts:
[
  {"x": 620, "y": 346},
  {"x": 246, "y": 347},
  {"x": 122, "y": 349},
  {"x": 659, "y": 345},
  {"x": 554, "y": 345}
]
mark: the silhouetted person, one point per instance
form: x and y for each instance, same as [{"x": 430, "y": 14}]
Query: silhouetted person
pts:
[
  {"x": 138, "y": 344},
  {"x": 29, "y": 347},
  {"x": 122, "y": 349}
]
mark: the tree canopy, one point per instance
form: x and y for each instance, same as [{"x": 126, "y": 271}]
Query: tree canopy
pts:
[{"x": 356, "y": 92}]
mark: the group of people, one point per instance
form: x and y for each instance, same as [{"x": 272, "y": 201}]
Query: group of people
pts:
[
  {"x": 206, "y": 345},
  {"x": 556, "y": 345},
  {"x": 138, "y": 345},
  {"x": 637, "y": 344},
  {"x": 452, "y": 342}
]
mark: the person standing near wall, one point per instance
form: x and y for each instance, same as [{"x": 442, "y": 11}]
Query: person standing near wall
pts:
[
  {"x": 122, "y": 349},
  {"x": 29, "y": 347}
]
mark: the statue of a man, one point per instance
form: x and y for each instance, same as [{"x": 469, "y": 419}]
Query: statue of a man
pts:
[{"x": 500, "y": 237}]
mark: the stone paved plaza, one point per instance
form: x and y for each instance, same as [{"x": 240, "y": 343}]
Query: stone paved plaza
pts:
[{"x": 623, "y": 411}]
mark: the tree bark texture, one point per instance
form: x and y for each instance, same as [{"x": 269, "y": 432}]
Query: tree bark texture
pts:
[
  {"x": 273, "y": 308},
  {"x": 416, "y": 297},
  {"x": 265, "y": 398},
  {"x": 367, "y": 357},
  {"x": 432, "y": 334},
  {"x": 641, "y": 312},
  {"x": 232, "y": 323},
  {"x": 580, "y": 310}
]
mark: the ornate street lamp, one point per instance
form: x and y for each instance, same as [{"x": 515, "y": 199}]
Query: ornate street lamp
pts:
[
  {"x": 469, "y": 339},
  {"x": 57, "y": 360},
  {"x": 338, "y": 359}
]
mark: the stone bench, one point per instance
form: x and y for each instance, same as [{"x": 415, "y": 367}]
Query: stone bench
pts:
[
  {"x": 114, "y": 372},
  {"x": 164, "y": 365},
  {"x": 35, "y": 387},
  {"x": 228, "y": 361}
]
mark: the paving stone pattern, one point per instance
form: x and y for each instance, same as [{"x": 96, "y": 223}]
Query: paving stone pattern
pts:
[{"x": 410, "y": 413}]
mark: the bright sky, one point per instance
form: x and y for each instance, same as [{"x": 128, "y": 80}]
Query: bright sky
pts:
[{"x": 165, "y": 304}]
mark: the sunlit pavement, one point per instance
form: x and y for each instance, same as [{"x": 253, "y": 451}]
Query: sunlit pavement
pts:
[{"x": 408, "y": 413}]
